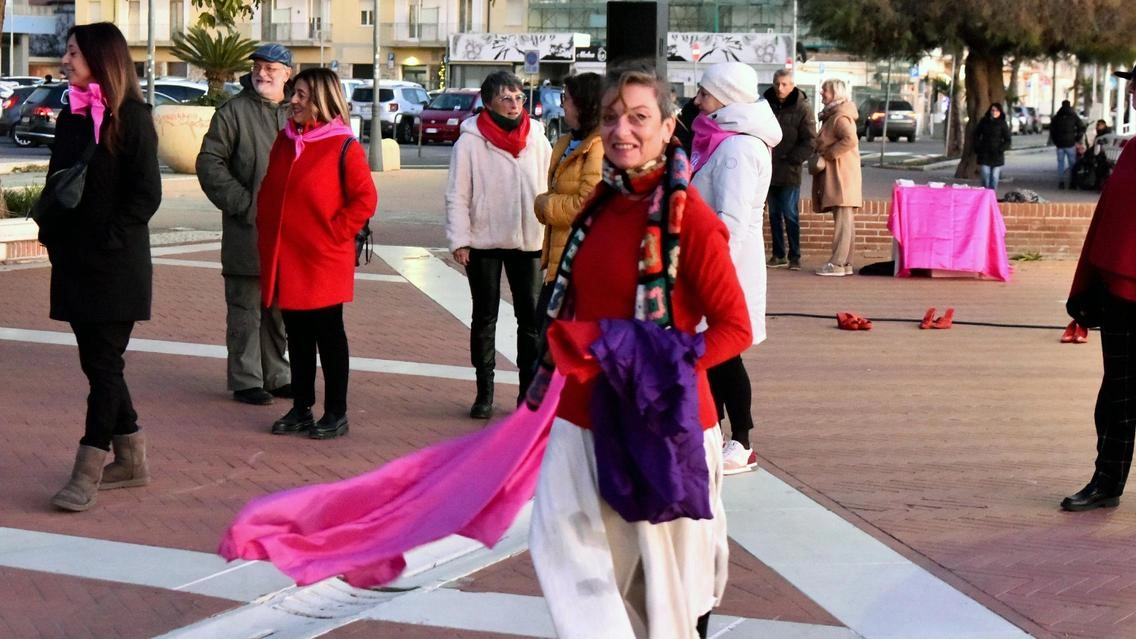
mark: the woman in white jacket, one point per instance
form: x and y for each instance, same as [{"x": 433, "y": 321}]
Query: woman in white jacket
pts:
[
  {"x": 498, "y": 166},
  {"x": 732, "y": 167}
]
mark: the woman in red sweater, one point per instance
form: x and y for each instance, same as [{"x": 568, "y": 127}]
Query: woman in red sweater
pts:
[
  {"x": 645, "y": 248},
  {"x": 315, "y": 197}
]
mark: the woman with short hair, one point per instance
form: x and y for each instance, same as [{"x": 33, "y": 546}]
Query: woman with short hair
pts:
[
  {"x": 837, "y": 187},
  {"x": 646, "y": 261},
  {"x": 101, "y": 273},
  {"x": 316, "y": 196}
]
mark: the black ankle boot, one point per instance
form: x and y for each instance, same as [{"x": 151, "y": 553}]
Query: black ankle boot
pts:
[{"x": 483, "y": 405}]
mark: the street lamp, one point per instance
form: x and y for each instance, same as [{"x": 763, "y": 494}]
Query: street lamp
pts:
[{"x": 376, "y": 150}]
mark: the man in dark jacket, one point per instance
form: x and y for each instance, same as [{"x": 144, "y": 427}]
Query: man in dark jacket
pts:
[
  {"x": 230, "y": 167},
  {"x": 798, "y": 135},
  {"x": 1065, "y": 129}
]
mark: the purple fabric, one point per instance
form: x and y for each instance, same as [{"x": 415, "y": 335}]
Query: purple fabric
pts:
[{"x": 650, "y": 457}]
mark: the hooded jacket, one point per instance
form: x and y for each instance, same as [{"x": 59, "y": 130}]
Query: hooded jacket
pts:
[
  {"x": 1065, "y": 127},
  {"x": 490, "y": 193},
  {"x": 840, "y": 183},
  {"x": 231, "y": 164},
  {"x": 798, "y": 135},
  {"x": 734, "y": 183}
]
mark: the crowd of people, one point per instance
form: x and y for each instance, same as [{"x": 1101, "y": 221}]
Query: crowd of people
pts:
[{"x": 617, "y": 231}]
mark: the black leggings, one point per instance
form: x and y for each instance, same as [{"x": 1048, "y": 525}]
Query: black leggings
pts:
[
  {"x": 308, "y": 331},
  {"x": 1115, "y": 412},
  {"x": 109, "y": 408},
  {"x": 729, "y": 383}
]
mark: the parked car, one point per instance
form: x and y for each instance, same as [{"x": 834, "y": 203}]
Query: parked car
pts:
[
  {"x": 441, "y": 119},
  {"x": 1024, "y": 120},
  {"x": 9, "y": 83},
  {"x": 901, "y": 120},
  {"x": 400, "y": 103},
  {"x": 546, "y": 104},
  {"x": 10, "y": 113},
  {"x": 182, "y": 91},
  {"x": 38, "y": 114}
]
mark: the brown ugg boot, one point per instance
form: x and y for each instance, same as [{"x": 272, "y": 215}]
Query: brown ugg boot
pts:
[
  {"x": 129, "y": 467},
  {"x": 79, "y": 494}
]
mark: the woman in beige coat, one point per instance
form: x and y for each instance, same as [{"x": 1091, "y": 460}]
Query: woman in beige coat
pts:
[
  {"x": 576, "y": 168},
  {"x": 837, "y": 187}
]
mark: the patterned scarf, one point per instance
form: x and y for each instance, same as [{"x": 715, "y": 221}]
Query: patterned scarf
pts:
[{"x": 665, "y": 181}]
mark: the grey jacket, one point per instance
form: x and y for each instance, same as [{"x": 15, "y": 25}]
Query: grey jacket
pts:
[{"x": 230, "y": 166}]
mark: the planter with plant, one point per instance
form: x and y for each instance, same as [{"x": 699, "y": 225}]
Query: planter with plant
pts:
[
  {"x": 214, "y": 46},
  {"x": 18, "y": 234}
]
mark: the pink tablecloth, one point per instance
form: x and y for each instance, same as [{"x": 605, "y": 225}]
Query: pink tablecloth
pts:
[{"x": 953, "y": 229}]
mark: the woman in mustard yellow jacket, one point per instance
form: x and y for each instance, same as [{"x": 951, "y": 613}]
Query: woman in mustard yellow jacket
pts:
[{"x": 576, "y": 168}]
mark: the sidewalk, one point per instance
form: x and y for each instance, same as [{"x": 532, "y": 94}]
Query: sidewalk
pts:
[{"x": 909, "y": 487}]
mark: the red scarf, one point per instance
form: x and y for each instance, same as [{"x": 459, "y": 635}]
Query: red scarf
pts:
[{"x": 512, "y": 142}]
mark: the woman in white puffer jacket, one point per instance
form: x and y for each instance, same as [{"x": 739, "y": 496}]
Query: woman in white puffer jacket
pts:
[{"x": 733, "y": 164}]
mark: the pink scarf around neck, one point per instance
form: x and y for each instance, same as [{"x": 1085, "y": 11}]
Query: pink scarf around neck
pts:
[
  {"x": 707, "y": 136},
  {"x": 329, "y": 130},
  {"x": 88, "y": 101}
]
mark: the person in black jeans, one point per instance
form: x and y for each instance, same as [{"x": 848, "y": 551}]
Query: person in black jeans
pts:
[
  {"x": 498, "y": 166},
  {"x": 101, "y": 273}
]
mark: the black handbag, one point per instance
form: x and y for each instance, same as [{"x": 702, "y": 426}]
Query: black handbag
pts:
[
  {"x": 364, "y": 247},
  {"x": 62, "y": 191}
]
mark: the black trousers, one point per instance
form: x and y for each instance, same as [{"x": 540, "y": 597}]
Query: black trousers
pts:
[
  {"x": 109, "y": 408},
  {"x": 729, "y": 384},
  {"x": 318, "y": 330},
  {"x": 522, "y": 270},
  {"x": 1115, "y": 412}
]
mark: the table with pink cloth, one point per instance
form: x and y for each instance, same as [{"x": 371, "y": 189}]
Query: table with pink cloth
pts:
[{"x": 948, "y": 229}]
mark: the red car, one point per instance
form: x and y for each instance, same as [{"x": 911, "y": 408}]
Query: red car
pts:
[{"x": 441, "y": 120}]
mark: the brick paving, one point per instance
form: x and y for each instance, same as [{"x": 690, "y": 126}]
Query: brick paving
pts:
[{"x": 952, "y": 447}]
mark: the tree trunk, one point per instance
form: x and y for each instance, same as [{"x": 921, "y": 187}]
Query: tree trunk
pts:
[
  {"x": 1012, "y": 92},
  {"x": 954, "y": 112},
  {"x": 983, "y": 86}
]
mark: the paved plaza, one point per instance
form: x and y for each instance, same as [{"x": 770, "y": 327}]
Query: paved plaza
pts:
[{"x": 908, "y": 487}]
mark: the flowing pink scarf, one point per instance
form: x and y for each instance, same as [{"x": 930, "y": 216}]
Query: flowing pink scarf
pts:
[
  {"x": 329, "y": 130},
  {"x": 89, "y": 101},
  {"x": 707, "y": 136}
]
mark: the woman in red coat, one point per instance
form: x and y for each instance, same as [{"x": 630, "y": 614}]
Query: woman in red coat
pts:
[{"x": 308, "y": 213}]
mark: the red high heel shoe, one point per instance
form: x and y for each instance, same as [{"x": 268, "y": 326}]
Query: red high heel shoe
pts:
[
  {"x": 1070, "y": 333},
  {"x": 944, "y": 321},
  {"x": 928, "y": 317},
  {"x": 1081, "y": 335}
]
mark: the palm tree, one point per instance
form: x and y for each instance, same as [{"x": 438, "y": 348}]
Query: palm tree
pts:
[{"x": 219, "y": 55}]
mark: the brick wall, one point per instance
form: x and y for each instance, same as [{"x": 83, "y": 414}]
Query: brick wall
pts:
[{"x": 1055, "y": 230}]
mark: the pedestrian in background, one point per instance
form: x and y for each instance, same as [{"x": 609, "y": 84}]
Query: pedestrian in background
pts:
[
  {"x": 230, "y": 168},
  {"x": 1103, "y": 294},
  {"x": 991, "y": 140},
  {"x": 837, "y": 187},
  {"x": 498, "y": 166},
  {"x": 1065, "y": 131},
  {"x": 645, "y": 252},
  {"x": 576, "y": 169},
  {"x": 316, "y": 196},
  {"x": 101, "y": 273},
  {"x": 798, "y": 139},
  {"x": 732, "y": 166}
]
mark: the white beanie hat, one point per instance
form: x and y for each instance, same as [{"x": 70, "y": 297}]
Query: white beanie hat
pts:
[{"x": 730, "y": 82}]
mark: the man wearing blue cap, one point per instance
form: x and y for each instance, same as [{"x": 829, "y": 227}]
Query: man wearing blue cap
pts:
[{"x": 230, "y": 167}]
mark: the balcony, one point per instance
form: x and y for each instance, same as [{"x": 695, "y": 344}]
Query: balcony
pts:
[
  {"x": 420, "y": 34},
  {"x": 135, "y": 32}
]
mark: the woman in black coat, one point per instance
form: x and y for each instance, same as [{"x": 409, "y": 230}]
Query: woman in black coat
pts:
[
  {"x": 991, "y": 139},
  {"x": 100, "y": 251}
]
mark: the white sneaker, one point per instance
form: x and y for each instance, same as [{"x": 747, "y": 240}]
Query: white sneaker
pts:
[
  {"x": 831, "y": 270},
  {"x": 737, "y": 459}
]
